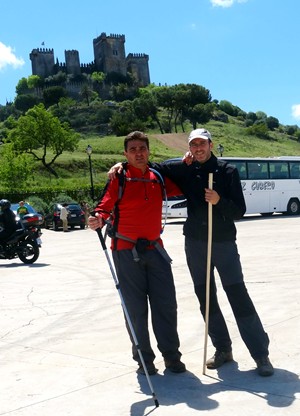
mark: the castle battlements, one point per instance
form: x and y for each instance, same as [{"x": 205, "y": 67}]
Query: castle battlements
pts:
[
  {"x": 43, "y": 50},
  {"x": 112, "y": 36},
  {"x": 109, "y": 56},
  {"x": 71, "y": 52},
  {"x": 137, "y": 55}
]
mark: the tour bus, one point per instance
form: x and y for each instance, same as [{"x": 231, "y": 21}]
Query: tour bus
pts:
[{"x": 269, "y": 185}]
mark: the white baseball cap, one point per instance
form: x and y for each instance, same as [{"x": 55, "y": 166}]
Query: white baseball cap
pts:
[{"x": 199, "y": 134}]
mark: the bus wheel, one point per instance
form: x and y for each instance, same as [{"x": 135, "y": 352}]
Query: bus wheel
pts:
[{"x": 293, "y": 207}]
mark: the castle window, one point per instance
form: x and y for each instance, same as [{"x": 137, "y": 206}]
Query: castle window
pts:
[{"x": 115, "y": 52}]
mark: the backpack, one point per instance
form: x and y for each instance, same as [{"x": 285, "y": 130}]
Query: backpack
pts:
[{"x": 111, "y": 228}]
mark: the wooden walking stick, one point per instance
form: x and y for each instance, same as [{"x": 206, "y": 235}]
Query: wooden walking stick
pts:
[{"x": 208, "y": 267}]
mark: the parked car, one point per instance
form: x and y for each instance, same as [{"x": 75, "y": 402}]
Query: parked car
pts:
[
  {"x": 76, "y": 216},
  {"x": 32, "y": 218},
  {"x": 175, "y": 207}
]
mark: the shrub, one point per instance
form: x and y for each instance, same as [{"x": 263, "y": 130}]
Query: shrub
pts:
[
  {"x": 260, "y": 130},
  {"x": 38, "y": 203}
]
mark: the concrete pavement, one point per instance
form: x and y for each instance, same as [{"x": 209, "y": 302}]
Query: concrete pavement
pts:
[{"x": 64, "y": 349}]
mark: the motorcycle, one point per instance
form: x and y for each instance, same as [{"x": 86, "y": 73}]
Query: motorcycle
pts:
[{"x": 25, "y": 242}]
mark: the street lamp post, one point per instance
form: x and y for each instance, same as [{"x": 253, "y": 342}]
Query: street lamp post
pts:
[
  {"x": 220, "y": 149},
  {"x": 89, "y": 150}
]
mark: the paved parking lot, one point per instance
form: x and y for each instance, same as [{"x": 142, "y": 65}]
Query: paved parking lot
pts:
[{"x": 64, "y": 349}]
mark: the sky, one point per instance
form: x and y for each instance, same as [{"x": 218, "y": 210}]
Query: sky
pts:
[{"x": 244, "y": 51}]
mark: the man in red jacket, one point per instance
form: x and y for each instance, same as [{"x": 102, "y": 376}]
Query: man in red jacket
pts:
[{"x": 134, "y": 203}]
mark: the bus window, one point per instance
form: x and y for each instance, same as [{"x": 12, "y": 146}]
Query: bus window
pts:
[
  {"x": 241, "y": 167},
  {"x": 278, "y": 170},
  {"x": 295, "y": 170},
  {"x": 257, "y": 170}
]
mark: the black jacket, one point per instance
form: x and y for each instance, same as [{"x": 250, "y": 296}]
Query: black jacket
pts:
[
  {"x": 193, "y": 180},
  {"x": 8, "y": 222}
]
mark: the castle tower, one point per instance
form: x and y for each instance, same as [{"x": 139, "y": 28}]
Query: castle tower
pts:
[
  {"x": 137, "y": 65},
  {"x": 42, "y": 62},
  {"x": 109, "y": 53},
  {"x": 72, "y": 62}
]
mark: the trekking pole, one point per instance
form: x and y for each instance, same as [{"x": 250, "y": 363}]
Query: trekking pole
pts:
[
  {"x": 208, "y": 271},
  {"x": 114, "y": 275}
]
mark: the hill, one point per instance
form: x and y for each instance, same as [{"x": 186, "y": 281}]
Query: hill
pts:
[{"x": 237, "y": 141}]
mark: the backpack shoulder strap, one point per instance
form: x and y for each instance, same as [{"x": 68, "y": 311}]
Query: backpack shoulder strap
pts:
[
  {"x": 122, "y": 182},
  {"x": 164, "y": 195}
]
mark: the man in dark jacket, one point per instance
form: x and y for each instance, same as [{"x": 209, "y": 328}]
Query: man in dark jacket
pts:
[
  {"x": 228, "y": 204},
  {"x": 7, "y": 221}
]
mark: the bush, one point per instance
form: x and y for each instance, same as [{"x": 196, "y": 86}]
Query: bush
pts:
[
  {"x": 220, "y": 116},
  {"x": 228, "y": 108},
  {"x": 259, "y": 130},
  {"x": 38, "y": 204},
  {"x": 248, "y": 122}
]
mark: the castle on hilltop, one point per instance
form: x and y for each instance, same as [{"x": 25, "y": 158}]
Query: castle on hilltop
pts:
[{"x": 109, "y": 56}]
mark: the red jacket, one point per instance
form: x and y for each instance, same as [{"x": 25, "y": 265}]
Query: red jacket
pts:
[{"x": 140, "y": 207}]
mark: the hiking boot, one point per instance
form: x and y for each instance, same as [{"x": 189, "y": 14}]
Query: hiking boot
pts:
[
  {"x": 176, "y": 366},
  {"x": 219, "y": 358},
  {"x": 152, "y": 370},
  {"x": 264, "y": 367}
]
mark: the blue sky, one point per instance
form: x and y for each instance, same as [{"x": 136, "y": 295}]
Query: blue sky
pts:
[{"x": 243, "y": 51}]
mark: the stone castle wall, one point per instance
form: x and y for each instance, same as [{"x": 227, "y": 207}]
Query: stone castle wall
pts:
[{"x": 109, "y": 56}]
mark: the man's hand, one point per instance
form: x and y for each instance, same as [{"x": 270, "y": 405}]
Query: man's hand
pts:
[
  {"x": 95, "y": 222},
  {"x": 117, "y": 168},
  {"x": 211, "y": 196},
  {"x": 188, "y": 158}
]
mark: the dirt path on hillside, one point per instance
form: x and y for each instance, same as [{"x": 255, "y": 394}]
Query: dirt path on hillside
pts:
[{"x": 176, "y": 141}]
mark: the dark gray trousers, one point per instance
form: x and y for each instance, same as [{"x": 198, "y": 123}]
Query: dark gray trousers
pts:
[
  {"x": 149, "y": 282},
  {"x": 226, "y": 260}
]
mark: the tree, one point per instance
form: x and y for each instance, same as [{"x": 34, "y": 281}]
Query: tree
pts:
[
  {"x": 228, "y": 108},
  {"x": 165, "y": 99},
  {"x": 15, "y": 168},
  {"x": 177, "y": 99},
  {"x": 43, "y": 136},
  {"x": 251, "y": 116},
  {"x": 86, "y": 92},
  {"x": 7, "y": 111},
  {"x": 59, "y": 78},
  {"x": 22, "y": 86},
  {"x": 24, "y": 102},
  {"x": 261, "y": 115},
  {"x": 125, "y": 120},
  {"x": 35, "y": 81},
  {"x": 122, "y": 92},
  {"x": 290, "y": 130},
  {"x": 146, "y": 107},
  {"x": 10, "y": 122},
  {"x": 52, "y": 95},
  {"x": 186, "y": 98},
  {"x": 197, "y": 94},
  {"x": 200, "y": 113},
  {"x": 98, "y": 77},
  {"x": 272, "y": 122}
]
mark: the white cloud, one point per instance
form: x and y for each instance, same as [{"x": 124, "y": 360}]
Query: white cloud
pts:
[
  {"x": 226, "y": 3},
  {"x": 296, "y": 111},
  {"x": 8, "y": 58}
]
